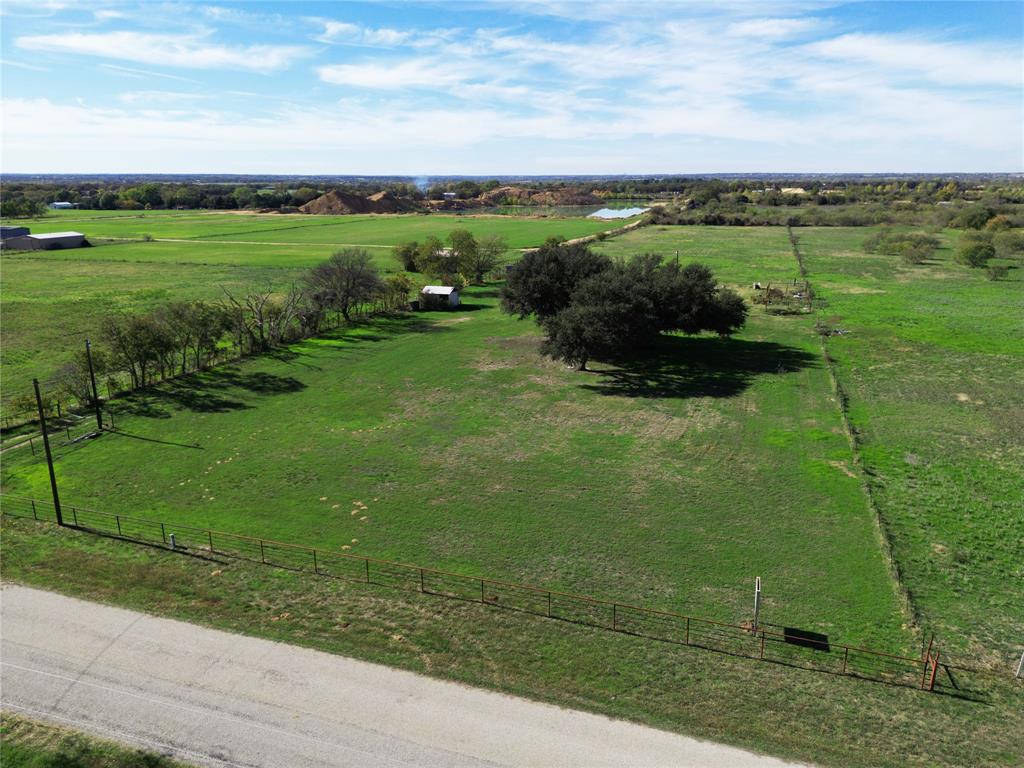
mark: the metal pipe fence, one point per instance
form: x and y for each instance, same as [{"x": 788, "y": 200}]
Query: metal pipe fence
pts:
[{"x": 763, "y": 644}]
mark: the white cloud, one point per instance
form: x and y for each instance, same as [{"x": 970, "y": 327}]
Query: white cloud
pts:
[
  {"x": 392, "y": 76},
  {"x": 188, "y": 51},
  {"x": 774, "y": 29},
  {"x": 939, "y": 62},
  {"x": 159, "y": 97}
]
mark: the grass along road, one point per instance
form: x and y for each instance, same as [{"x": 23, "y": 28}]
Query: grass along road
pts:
[{"x": 791, "y": 713}]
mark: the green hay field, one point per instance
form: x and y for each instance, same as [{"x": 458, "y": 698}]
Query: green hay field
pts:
[
  {"x": 671, "y": 481},
  {"x": 52, "y": 300},
  {"x": 473, "y": 453}
]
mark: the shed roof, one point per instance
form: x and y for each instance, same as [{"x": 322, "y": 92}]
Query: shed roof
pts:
[
  {"x": 439, "y": 290},
  {"x": 54, "y": 235}
]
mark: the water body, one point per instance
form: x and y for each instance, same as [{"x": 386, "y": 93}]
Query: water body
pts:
[{"x": 617, "y": 213}]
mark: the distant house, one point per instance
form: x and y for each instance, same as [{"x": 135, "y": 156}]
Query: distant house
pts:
[
  {"x": 60, "y": 206},
  {"x": 439, "y": 297},
  {"x": 51, "y": 241}
]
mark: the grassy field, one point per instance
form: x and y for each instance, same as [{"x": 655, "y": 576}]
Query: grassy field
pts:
[
  {"x": 27, "y": 743},
  {"x": 933, "y": 363},
  {"x": 381, "y": 230},
  {"x": 52, "y": 300},
  {"x": 934, "y": 367},
  {"x": 831, "y": 720},
  {"x": 472, "y": 453},
  {"x": 669, "y": 480}
]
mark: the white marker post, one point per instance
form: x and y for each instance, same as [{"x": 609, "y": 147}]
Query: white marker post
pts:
[
  {"x": 757, "y": 601},
  {"x": 1020, "y": 665}
]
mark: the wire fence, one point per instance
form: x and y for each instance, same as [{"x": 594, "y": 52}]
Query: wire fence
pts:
[{"x": 786, "y": 647}]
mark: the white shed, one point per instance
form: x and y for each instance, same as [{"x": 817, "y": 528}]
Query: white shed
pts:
[
  {"x": 61, "y": 206},
  {"x": 445, "y": 295}
]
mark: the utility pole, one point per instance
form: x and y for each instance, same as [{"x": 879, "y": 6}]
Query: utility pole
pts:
[
  {"x": 95, "y": 394},
  {"x": 49, "y": 456}
]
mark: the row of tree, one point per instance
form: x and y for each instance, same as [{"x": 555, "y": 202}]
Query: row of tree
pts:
[
  {"x": 593, "y": 307},
  {"x": 185, "y": 336},
  {"x": 457, "y": 261}
]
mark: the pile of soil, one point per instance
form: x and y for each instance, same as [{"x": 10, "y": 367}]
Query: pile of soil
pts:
[
  {"x": 338, "y": 203},
  {"x": 526, "y": 196}
]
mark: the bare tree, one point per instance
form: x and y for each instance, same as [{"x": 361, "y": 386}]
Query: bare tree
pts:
[{"x": 345, "y": 281}]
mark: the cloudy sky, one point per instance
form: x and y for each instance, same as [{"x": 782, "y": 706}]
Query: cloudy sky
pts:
[{"x": 517, "y": 87}]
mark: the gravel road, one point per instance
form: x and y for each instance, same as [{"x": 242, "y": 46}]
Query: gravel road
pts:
[{"x": 217, "y": 699}]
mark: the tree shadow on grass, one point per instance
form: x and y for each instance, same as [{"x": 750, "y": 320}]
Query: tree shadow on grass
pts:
[
  {"x": 203, "y": 392},
  {"x": 684, "y": 367}
]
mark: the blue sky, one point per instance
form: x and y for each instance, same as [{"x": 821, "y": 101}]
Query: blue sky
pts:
[{"x": 511, "y": 88}]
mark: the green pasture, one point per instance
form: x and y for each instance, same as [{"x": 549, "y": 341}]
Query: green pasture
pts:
[
  {"x": 934, "y": 365},
  {"x": 278, "y": 229},
  {"x": 446, "y": 440},
  {"x": 51, "y": 300}
]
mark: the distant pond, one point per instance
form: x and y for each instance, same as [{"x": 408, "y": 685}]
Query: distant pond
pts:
[{"x": 617, "y": 213}]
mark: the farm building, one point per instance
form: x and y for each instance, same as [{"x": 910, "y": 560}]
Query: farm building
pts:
[
  {"x": 51, "y": 241},
  {"x": 60, "y": 206},
  {"x": 439, "y": 297},
  {"x": 9, "y": 232}
]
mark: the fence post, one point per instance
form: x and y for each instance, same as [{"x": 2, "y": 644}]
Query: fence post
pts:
[
  {"x": 366, "y": 562},
  {"x": 935, "y": 671},
  {"x": 74, "y": 514},
  {"x": 762, "y": 643},
  {"x": 68, "y": 430},
  {"x": 615, "y": 619},
  {"x": 421, "y": 581},
  {"x": 118, "y": 519},
  {"x": 32, "y": 445},
  {"x": 316, "y": 570},
  {"x": 163, "y": 534},
  {"x": 846, "y": 657},
  {"x": 263, "y": 555},
  {"x": 209, "y": 537},
  {"x": 482, "y": 591},
  {"x": 549, "y": 605},
  {"x": 36, "y": 517},
  {"x": 687, "y": 630}
]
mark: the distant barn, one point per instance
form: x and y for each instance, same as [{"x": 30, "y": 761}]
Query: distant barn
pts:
[
  {"x": 61, "y": 206},
  {"x": 51, "y": 241},
  {"x": 439, "y": 297}
]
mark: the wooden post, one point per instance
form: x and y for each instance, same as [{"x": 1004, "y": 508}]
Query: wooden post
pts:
[
  {"x": 549, "y": 609},
  {"x": 687, "y": 630},
  {"x": 421, "y": 581},
  {"x": 36, "y": 517},
  {"x": 762, "y": 643},
  {"x": 118, "y": 519},
  {"x": 482, "y": 591},
  {"x": 49, "y": 456},
  {"x": 209, "y": 536},
  {"x": 366, "y": 562},
  {"x": 846, "y": 657},
  {"x": 163, "y": 533},
  {"x": 316, "y": 570},
  {"x": 615, "y": 620},
  {"x": 263, "y": 555}
]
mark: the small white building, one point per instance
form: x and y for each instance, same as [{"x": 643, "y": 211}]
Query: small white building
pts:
[
  {"x": 439, "y": 296},
  {"x": 61, "y": 206}
]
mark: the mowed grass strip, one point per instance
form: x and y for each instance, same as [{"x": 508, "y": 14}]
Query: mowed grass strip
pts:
[
  {"x": 934, "y": 365},
  {"x": 386, "y": 230},
  {"x": 792, "y": 713},
  {"x": 446, "y": 440}
]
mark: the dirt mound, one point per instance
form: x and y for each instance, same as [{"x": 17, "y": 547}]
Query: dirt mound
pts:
[
  {"x": 340, "y": 203},
  {"x": 526, "y": 196}
]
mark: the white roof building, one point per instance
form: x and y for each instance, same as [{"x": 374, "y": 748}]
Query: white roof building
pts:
[{"x": 442, "y": 293}]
